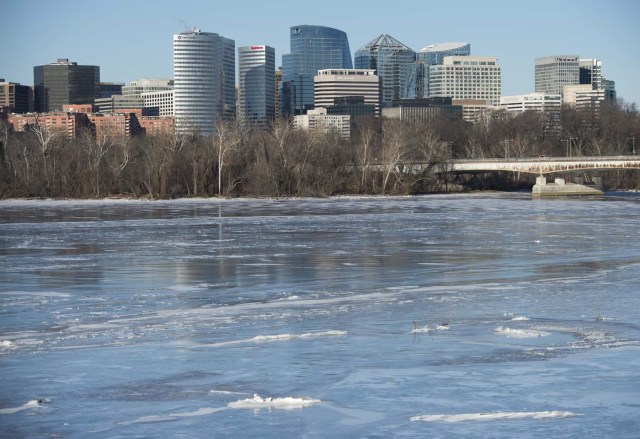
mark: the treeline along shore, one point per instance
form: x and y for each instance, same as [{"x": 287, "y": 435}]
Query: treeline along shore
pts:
[{"x": 281, "y": 161}]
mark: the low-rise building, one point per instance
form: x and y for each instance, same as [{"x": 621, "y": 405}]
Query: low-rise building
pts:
[
  {"x": 318, "y": 119},
  {"x": 68, "y": 124},
  {"x": 531, "y": 102},
  {"x": 157, "y": 125}
]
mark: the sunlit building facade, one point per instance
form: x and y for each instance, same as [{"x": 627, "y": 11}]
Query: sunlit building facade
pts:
[
  {"x": 313, "y": 48},
  {"x": 204, "y": 80},
  {"x": 332, "y": 84},
  {"x": 552, "y": 73},
  {"x": 467, "y": 77}
]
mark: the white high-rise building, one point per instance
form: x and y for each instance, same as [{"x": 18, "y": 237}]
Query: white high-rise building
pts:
[
  {"x": 466, "y": 77},
  {"x": 552, "y": 73},
  {"x": 257, "y": 81},
  {"x": 204, "y": 80},
  {"x": 330, "y": 84}
]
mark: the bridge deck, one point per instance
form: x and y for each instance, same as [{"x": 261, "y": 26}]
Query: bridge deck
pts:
[{"x": 546, "y": 165}]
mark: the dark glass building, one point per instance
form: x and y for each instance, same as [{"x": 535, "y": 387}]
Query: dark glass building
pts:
[
  {"x": 63, "y": 82},
  {"x": 393, "y": 63},
  {"x": 313, "y": 48}
]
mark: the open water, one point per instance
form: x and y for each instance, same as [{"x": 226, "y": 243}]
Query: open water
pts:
[{"x": 489, "y": 315}]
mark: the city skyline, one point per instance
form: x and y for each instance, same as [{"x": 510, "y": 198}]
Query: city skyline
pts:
[{"x": 132, "y": 41}]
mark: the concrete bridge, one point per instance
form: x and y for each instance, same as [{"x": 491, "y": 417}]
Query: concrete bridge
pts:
[{"x": 545, "y": 165}]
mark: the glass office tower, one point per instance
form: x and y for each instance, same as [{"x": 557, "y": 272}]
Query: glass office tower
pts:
[
  {"x": 256, "y": 92},
  {"x": 431, "y": 55},
  {"x": 204, "y": 80},
  {"x": 64, "y": 82},
  {"x": 313, "y": 48},
  {"x": 393, "y": 63}
]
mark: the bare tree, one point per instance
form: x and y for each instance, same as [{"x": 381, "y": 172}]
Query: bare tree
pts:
[{"x": 226, "y": 139}]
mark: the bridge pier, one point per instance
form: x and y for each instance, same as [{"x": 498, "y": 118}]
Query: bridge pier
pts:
[{"x": 560, "y": 188}]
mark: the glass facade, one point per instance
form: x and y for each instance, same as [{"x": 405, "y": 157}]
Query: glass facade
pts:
[
  {"x": 62, "y": 83},
  {"x": 393, "y": 63},
  {"x": 434, "y": 54},
  {"x": 313, "y": 48},
  {"x": 257, "y": 94},
  {"x": 204, "y": 80}
]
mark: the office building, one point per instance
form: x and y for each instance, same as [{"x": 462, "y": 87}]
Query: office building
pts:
[
  {"x": 64, "y": 82},
  {"x": 204, "y": 80},
  {"x": 590, "y": 72},
  {"x": 318, "y": 119},
  {"x": 15, "y": 98},
  {"x": 422, "y": 110},
  {"x": 540, "y": 102},
  {"x": 434, "y": 54},
  {"x": 467, "y": 77},
  {"x": 278, "y": 86},
  {"x": 108, "y": 89},
  {"x": 144, "y": 85},
  {"x": 158, "y": 103},
  {"x": 353, "y": 106},
  {"x": 552, "y": 73},
  {"x": 473, "y": 110},
  {"x": 392, "y": 62},
  {"x": 116, "y": 103},
  {"x": 330, "y": 84},
  {"x": 313, "y": 48},
  {"x": 257, "y": 80},
  {"x": 583, "y": 96}
]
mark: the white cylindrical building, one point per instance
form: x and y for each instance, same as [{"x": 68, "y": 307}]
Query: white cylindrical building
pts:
[{"x": 204, "y": 80}]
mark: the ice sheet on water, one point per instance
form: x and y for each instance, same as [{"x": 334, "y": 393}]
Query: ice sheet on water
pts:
[
  {"x": 255, "y": 403},
  {"x": 498, "y": 416},
  {"x": 281, "y": 337},
  {"x": 34, "y": 403},
  {"x": 286, "y": 403},
  {"x": 521, "y": 333}
]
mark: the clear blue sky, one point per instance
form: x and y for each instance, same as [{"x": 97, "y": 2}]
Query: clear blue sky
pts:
[{"x": 133, "y": 39}]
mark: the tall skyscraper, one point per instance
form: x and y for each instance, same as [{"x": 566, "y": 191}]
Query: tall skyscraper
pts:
[
  {"x": 62, "y": 83},
  {"x": 552, "y": 73},
  {"x": 257, "y": 70},
  {"x": 312, "y": 48},
  {"x": 392, "y": 62},
  {"x": 467, "y": 77},
  {"x": 204, "y": 80}
]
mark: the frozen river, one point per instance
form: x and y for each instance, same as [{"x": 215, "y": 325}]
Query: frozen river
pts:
[{"x": 441, "y": 316}]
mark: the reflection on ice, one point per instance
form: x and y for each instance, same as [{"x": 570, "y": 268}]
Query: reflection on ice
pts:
[{"x": 499, "y": 416}]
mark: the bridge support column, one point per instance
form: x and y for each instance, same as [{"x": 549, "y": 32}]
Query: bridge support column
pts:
[{"x": 541, "y": 180}]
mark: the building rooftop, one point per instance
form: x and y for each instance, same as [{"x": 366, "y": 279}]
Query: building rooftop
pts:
[{"x": 441, "y": 47}]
